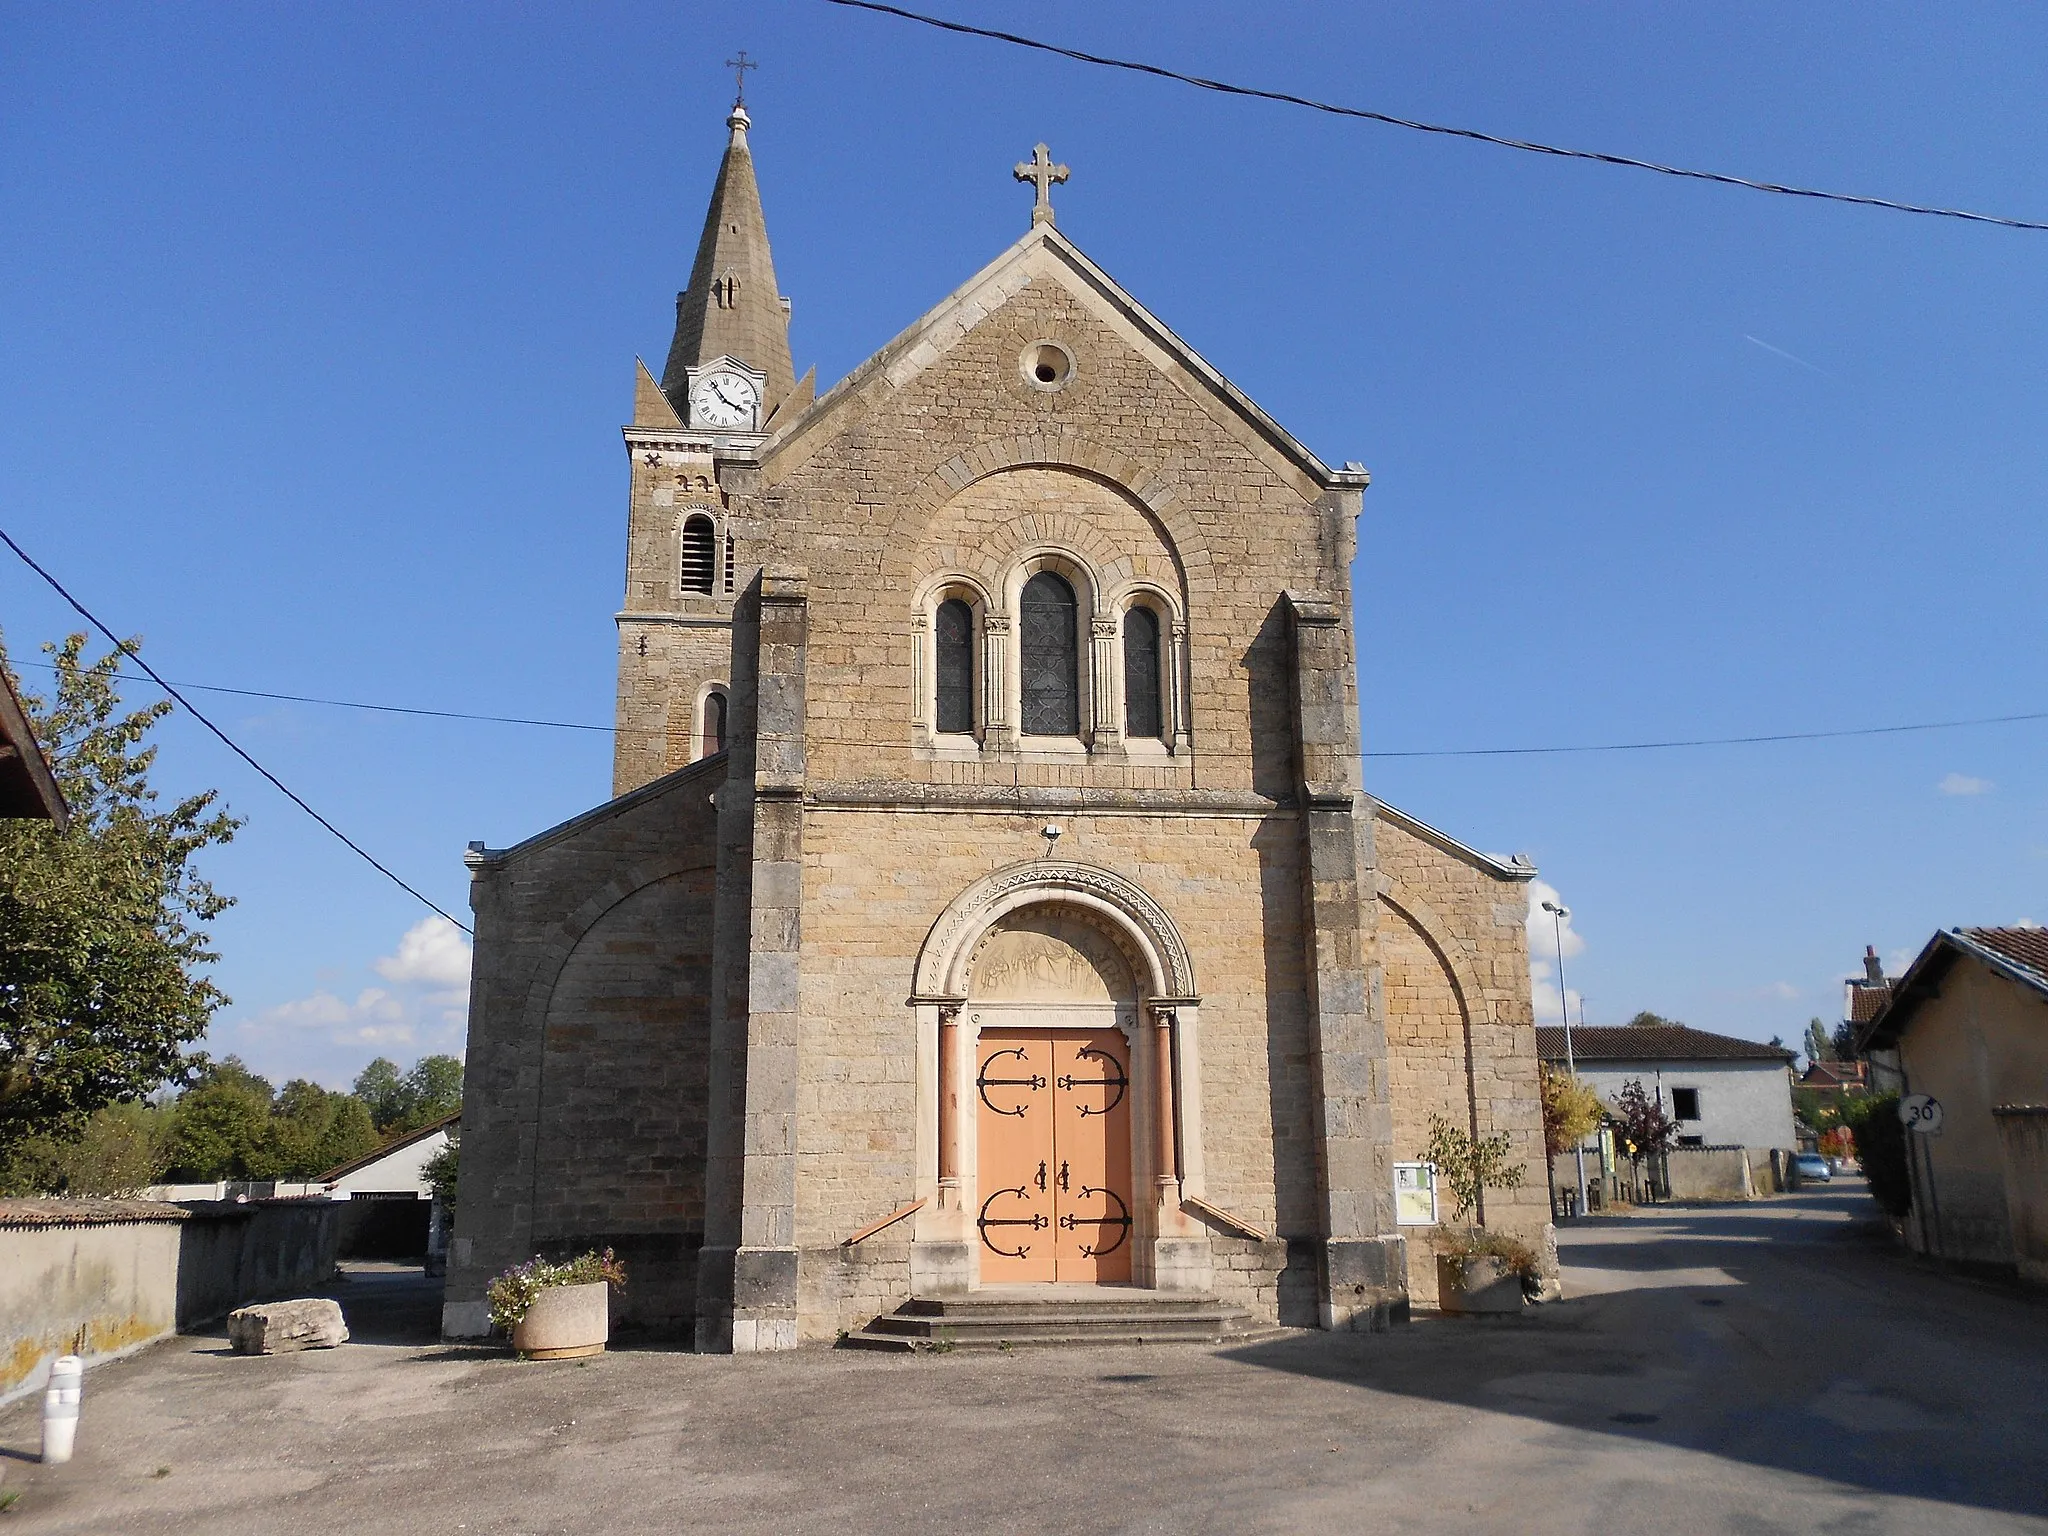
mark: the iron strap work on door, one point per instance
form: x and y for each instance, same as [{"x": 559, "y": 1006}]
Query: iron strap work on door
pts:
[{"x": 1055, "y": 1155}]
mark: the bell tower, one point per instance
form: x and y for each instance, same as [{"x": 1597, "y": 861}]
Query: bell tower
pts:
[{"x": 693, "y": 446}]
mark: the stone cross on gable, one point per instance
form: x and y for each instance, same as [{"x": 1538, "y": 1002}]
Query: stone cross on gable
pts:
[{"x": 1040, "y": 169}]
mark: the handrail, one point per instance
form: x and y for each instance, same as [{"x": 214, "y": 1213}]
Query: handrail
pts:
[
  {"x": 889, "y": 1220},
  {"x": 1217, "y": 1216}
]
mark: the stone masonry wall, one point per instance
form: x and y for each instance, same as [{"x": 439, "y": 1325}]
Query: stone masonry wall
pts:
[{"x": 1461, "y": 1037}]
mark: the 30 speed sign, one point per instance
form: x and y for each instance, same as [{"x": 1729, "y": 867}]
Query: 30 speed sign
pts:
[{"x": 1921, "y": 1112}]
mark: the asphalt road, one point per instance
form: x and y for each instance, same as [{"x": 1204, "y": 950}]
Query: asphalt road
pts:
[{"x": 1766, "y": 1368}]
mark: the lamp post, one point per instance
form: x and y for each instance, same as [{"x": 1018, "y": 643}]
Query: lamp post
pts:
[{"x": 1571, "y": 1062}]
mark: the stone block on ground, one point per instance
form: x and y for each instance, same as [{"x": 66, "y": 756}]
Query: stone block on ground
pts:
[{"x": 278, "y": 1327}]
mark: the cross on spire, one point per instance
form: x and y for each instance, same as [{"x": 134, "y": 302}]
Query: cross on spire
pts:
[
  {"x": 739, "y": 68},
  {"x": 1039, "y": 169}
]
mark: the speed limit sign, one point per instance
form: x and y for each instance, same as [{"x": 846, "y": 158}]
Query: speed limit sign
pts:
[{"x": 1921, "y": 1113}]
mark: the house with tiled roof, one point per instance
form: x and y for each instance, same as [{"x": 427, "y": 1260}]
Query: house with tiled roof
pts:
[
  {"x": 28, "y": 789},
  {"x": 1732, "y": 1099},
  {"x": 1967, "y": 1026}
]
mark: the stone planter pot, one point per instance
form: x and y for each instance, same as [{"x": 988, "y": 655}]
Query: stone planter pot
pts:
[
  {"x": 565, "y": 1322},
  {"x": 1480, "y": 1286}
]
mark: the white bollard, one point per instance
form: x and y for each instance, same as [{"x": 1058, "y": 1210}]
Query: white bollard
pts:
[{"x": 60, "y": 1408}]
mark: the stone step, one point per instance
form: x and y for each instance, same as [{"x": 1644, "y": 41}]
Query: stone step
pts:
[{"x": 1037, "y": 1316}]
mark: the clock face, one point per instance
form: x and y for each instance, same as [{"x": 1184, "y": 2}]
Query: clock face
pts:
[{"x": 724, "y": 400}]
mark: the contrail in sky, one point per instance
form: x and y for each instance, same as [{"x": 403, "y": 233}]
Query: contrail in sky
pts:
[{"x": 1789, "y": 357}]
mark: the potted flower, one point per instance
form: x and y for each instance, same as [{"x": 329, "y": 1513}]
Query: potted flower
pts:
[
  {"x": 557, "y": 1311},
  {"x": 1477, "y": 1271}
]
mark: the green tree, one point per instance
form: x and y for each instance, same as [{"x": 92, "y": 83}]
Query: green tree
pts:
[
  {"x": 404, "y": 1102},
  {"x": 381, "y": 1088},
  {"x": 349, "y": 1134},
  {"x": 443, "y": 1170},
  {"x": 120, "y": 1150},
  {"x": 1820, "y": 1045},
  {"x": 221, "y": 1128},
  {"x": 102, "y": 927},
  {"x": 1649, "y": 1020},
  {"x": 313, "y": 1130}
]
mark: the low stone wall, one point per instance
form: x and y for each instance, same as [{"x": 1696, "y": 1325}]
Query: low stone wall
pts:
[
  {"x": 1710, "y": 1173},
  {"x": 99, "y": 1278}
]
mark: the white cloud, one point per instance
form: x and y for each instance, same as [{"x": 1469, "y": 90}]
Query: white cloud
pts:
[
  {"x": 423, "y": 1005},
  {"x": 1784, "y": 991},
  {"x": 433, "y": 952},
  {"x": 1964, "y": 784},
  {"x": 1546, "y": 934}
]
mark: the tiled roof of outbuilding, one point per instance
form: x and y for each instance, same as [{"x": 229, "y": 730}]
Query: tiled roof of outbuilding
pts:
[
  {"x": 1651, "y": 1042},
  {"x": 1865, "y": 1001},
  {"x": 2025, "y": 947}
]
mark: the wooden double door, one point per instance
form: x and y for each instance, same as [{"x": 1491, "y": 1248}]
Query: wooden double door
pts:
[{"x": 1054, "y": 1133}]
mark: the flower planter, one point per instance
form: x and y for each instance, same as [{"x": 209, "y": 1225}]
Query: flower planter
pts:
[
  {"x": 1477, "y": 1286},
  {"x": 565, "y": 1322}
]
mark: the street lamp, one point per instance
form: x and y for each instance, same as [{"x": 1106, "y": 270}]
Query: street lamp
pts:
[{"x": 1571, "y": 1062}]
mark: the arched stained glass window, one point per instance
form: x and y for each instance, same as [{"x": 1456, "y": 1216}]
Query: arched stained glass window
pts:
[
  {"x": 714, "y": 722},
  {"x": 1142, "y": 715},
  {"x": 699, "y": 555},
  {"x": 1048, "y": 651},
  {"x": 954, "y": 632}
]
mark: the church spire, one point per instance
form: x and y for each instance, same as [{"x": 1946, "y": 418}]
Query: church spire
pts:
[{"x": 732, "y": 305}]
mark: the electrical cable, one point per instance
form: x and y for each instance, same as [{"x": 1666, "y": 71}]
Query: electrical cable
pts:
[
  {"x": 1528, "y": 146},
  {"x": 1771, "y": 738},
  {"x": 228, "y": 741}
]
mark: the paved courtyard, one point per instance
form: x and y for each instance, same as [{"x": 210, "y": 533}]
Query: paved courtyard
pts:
[{"x": 1752, "y": 1369}]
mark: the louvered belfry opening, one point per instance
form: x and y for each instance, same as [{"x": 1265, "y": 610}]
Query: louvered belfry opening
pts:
[
  {"x": 699, "y": 555},
  {"x": 1048, "y": 648},
  {"x": 954, "y": 632},
  {"x": 1142, "y": 715}
]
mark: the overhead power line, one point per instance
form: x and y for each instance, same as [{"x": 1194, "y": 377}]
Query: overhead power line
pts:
[
  {"x": 1528, "y": 146},
  {"x": 229, "y": 742},
  {"x": 1765, "y": 739}
]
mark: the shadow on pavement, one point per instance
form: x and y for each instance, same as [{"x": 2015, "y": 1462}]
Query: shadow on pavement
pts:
[
  {"x": 1791, "y": 1336},
  {"x": 388, "y": 1303}
]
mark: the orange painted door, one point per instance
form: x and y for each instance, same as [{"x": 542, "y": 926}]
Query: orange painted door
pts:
[
  {"x": 1013, "y": 1083},
  {"x": 1055, "y": 1156},
  {"x": 1091, "y": 1120}
]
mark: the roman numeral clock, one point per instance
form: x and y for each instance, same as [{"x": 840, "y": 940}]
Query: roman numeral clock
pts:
[{"x": 725, "y": 395}]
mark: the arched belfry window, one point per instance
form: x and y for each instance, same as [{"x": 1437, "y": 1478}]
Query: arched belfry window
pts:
[
  {"x": 1048, "y": 654},
  {"x": 699, "y": 555},
  {"x": 953, "y": 633},
  {"x": 1143, "y": 716},
  {"x": 714, "y": 722}
]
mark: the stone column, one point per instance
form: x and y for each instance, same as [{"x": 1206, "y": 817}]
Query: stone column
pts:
[
  {"x": 1177, "y": 689},
  {"x": 949, "y": 1102},
  {"x": 747, "y": 1275},
  {"x": 1364, "y": 1266},
  {"x": 922, "y": 684},
  {"x": 997, "y": 727},
  {"x": 1181, "y": 1259},
  {"x": 1106, "y": 730},
  {"x": 941, "y": 1255}
]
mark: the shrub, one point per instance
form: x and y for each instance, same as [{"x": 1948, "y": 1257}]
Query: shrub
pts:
[
  {"x": 1479, "y": 1244},
  {"x": 1470, "y": 1165},
  {"x": 513, "y": 1291},
  {"x": 1881, "y": 1149}
]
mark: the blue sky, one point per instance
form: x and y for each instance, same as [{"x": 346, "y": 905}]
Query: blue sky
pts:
[{"x": 319, "y": 326}]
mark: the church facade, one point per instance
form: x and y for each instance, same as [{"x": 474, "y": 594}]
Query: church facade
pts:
[{"x": 989, "y": 893}]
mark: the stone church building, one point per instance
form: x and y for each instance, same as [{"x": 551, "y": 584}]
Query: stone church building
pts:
[{"x": 989, "y": 896}]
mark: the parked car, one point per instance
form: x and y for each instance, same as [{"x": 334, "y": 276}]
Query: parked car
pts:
[{"x": 1811, "y": 1165}]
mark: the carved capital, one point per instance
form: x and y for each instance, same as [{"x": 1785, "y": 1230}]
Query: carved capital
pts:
[{"x": 995, "y": 623}]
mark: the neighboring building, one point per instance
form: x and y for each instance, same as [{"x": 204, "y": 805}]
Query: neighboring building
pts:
[
  {"x": 991, "y": 893},
  {"x": 1863, "y": 997},
  {"x": 1722, "y": 1091},
  {"x": 392, "y": 1211},
  {"x": 28, "y": 789},
  {"x": 1968, "y": 1025},
  {"x": 1834, "y": 1080},
  {"x": 394, "y": 1169}
]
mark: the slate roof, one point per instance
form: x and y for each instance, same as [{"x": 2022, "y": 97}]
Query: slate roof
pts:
[{"x": 1651, "y": 1042}]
